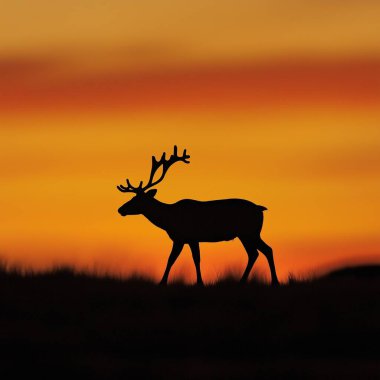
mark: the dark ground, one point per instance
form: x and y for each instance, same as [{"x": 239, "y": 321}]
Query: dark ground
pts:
[{"x": 61, "y": 325}]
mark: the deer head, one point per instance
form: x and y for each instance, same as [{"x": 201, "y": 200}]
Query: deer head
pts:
[{"x": 143, "y": 195}]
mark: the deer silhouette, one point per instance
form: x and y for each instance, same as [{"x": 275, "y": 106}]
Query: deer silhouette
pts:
[{"x": 192, "y": 222}]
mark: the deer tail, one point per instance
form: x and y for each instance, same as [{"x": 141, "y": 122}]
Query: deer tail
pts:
[{"x": 262, "y": 208}]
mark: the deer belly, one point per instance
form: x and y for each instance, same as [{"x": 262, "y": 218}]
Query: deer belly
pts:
[
  {"x": 205, "y": 238},
  {"x": 201, "y": 232},
  {"x": 214, "y": 238}
]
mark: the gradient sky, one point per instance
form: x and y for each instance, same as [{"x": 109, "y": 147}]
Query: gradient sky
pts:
[{"x": 276, "y": 101}]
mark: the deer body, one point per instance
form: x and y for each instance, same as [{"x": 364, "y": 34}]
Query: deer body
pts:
[
  {"x": 192, "y": 222},
  {"x": 211, "y": 221}
]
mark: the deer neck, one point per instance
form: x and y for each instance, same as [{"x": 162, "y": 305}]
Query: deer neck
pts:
[{"x": 157, "y": 213}]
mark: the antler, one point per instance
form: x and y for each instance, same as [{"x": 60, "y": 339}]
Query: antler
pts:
[
  {"x": 130, "y": 188},
  {"x": 166, "y": 164}
]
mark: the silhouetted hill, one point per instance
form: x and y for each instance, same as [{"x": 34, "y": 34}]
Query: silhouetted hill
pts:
[
  {"x": 359, "y": 272},
  {"x": 62, "y": 323}
]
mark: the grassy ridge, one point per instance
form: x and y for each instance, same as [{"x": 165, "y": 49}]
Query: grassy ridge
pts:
[{"x": 61, "y": 323}]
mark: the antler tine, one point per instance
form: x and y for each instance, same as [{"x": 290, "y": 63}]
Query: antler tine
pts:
[
  {"x": 174, "y": 157},
  {"x": 133, "y": 187},
  {"x": 185, "y": 157},
  {"x": 130, "y": 188},
  {"x": 166, "y": 164},
  {"x": 122, "y": 188}
]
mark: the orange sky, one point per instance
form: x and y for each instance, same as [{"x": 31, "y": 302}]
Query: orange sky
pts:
[{"x": 276, "y": 102}]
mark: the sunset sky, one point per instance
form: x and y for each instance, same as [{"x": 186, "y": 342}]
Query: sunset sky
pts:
[{"x": 276, "y": 101}]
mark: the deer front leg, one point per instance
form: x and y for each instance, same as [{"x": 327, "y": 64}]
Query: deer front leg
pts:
[
  {"x": 197, "y": 261},
  {"x": 176, "y": 250}
]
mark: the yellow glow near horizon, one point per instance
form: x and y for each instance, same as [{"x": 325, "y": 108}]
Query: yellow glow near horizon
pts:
[{"x": 318, "y": 177}]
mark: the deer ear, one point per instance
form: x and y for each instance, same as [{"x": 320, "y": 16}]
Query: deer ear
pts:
[{"x": 151, "y": 193}]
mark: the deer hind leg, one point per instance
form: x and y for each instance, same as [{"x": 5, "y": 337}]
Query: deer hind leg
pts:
[
  {"x": 176, "y": 250},
  {"x": 268, "y": 253},
  {"x": 197, "y": 261},
  {"x": 250, "y": 246}
]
